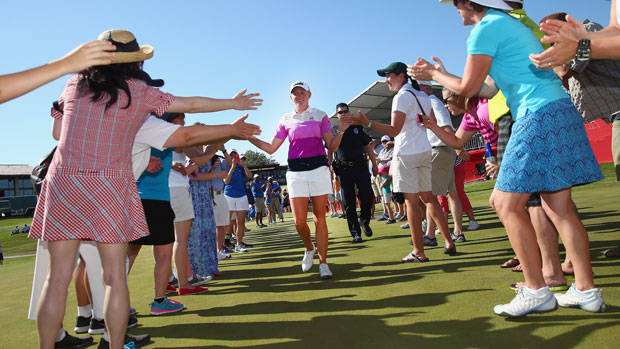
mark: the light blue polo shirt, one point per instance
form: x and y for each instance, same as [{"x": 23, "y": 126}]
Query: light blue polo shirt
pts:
[{"x": 510, "y": 43}]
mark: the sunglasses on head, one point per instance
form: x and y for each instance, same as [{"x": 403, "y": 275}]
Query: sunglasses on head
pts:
[{"x": 343, "y": 111}]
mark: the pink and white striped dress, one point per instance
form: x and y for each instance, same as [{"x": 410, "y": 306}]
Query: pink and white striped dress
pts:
[{"x": 90, "y": 192}]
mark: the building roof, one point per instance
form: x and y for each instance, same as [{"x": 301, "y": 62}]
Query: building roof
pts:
[{"x": 15, "y": 170}]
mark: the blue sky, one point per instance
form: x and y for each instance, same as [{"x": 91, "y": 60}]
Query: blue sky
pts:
[{"x": 217, "y": 48}]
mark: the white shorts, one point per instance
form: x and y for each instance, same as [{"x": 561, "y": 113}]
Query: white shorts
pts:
[
  {"x": 387, "y": 198},
  {"x": 237, "y": 204},
  {"x": 181, "y": 203},
  {"x": 220, "y": 210},
  {"x": 309, "y": 183}
]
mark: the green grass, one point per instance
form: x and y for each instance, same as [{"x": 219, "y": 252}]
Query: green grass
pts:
[
  {"x": 16, "y": 245},
  {"x": 264, "y": 300}
]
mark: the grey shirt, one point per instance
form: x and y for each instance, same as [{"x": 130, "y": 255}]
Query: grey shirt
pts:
[{"x": 595, "y": 86}]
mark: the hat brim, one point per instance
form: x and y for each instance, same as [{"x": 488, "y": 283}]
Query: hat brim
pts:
[{"x": 145, "y": 52}]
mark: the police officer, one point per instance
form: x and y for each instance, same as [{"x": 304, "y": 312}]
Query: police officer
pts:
[{"x": 350, "y": 165}]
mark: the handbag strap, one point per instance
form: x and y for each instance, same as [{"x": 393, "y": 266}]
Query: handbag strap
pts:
[{"x": 417, "y": 100}]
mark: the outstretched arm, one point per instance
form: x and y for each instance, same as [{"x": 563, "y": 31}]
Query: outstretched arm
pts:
[
  {"x": 392, "y": 130},
  {"x": 240, "y": 101},
  {"x": 455, "y": 140},
  {"x": 92, "y": 53},
  {"x": 268, "y": 148},
  {"x": 203, "y": 134}
]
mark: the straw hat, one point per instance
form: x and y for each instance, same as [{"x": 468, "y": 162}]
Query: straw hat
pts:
[{"x": 127, "y": 48}]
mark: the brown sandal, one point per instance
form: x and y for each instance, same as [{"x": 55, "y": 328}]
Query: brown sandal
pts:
[{"x": 511, "y": 263}]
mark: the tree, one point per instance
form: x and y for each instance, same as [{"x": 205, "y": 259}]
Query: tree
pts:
[{"x": 254, "y": 158}]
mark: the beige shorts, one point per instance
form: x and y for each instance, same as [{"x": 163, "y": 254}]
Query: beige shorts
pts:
[
  {"x": 375, "y": 184},
  {"x": 181, "y": 203},
  {"x": 442, "y": 173},
  {"x": 259, "y": 204},
  {"x": 615, "y": 146},
  {"x": 220, "y": 210},
  {"x": 412, "y": 173}
]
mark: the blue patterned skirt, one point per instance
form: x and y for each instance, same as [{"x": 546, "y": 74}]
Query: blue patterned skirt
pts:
[
  {"x": 202, "y": 244},
  {"x": 548, "y": 150}
]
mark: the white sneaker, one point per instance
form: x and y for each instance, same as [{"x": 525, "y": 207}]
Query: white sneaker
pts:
[
  {"x": 405, "y": 226},
  {"x": 308, "y": 260},
  {"x": 221, "y": 256},
  {"x": 473, "y": 225},
  {"x": 397, "y": 216},
  {"x": 325, "y": 272},
  {"x": 591, "y": 301},
  {"x": 525, "y": 302}
]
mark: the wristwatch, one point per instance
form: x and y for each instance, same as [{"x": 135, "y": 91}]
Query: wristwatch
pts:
[{"x": 583, "y": 50}]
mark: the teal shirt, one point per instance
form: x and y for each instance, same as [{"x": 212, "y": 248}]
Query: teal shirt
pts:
[
  {"x": 154, "y": 186},
  {"x": 388, "y": 187},
  {"x": 510, "y": 43}
]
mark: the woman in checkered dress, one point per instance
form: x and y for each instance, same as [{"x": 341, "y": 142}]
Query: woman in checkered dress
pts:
[{"x": 90, "y": 191}]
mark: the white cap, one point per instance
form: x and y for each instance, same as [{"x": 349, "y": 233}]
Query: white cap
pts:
[
  {"x": 498, "y": 4},
  {"x": 301, "y": 84},
  {"x": 424, "y": 82},
  {"x": 231, "y": 150},
  {"x": 256, "y": 176},
  {"x": 385, "y": 138}
]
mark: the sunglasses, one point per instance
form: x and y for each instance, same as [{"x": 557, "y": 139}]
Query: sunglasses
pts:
[
  {"x": 447, "y": 99},
  {"x": 342, "y": 112}
]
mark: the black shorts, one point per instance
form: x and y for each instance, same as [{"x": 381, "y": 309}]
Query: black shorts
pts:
[
  {"x": 1, "y": 257},
  {"x": 398, "y": 198},
  {"x": 160, "y": 219},
  {"x": 534, "y": 200}
]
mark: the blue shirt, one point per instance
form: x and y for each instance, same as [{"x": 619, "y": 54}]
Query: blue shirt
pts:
[
  {"x": 154, "y": 186},
  {"x": 275, "y": 188},
  {"x": 217, "y": 183},
  {"x": 236, "y": 187},
  {"x": 257, "y": 192},
  {"x": 510, "y": 43}
]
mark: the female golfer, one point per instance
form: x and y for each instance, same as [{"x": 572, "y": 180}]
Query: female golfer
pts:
[
  {"x": 308, "y": 175},
  {"x": 548, "y": 151},
  {"x": 90, "y": 192}
]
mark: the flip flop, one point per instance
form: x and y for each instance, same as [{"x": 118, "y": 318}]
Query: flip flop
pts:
[
  {"x": 518, "y": 269},
  {"x": 413, "y": 258},
  {"x": 511, "y": 263},
  {"x": 613, "y": 252}
]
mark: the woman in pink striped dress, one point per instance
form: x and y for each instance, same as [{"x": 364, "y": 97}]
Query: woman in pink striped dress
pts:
[{"x": 90, "y": 191}]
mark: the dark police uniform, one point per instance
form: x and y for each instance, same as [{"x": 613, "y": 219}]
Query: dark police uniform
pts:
[{"x": 351, "y": 167}]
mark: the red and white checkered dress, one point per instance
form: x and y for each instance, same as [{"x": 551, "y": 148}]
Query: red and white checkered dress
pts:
[{"x": 89, "y": 192}]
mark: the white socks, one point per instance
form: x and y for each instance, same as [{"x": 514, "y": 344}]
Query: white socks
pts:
[
  {"x": 539, "y": 292},
  {"x": 85, "y": 311},
  {"x": 61, "y": 334}
]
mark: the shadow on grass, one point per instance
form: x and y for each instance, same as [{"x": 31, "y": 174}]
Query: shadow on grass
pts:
[{"x": 375, "y": 332}]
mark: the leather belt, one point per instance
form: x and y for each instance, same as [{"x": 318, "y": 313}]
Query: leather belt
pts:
[
  {"x": 218, "y": 192},
  {"x": 344, "y": 163}
]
